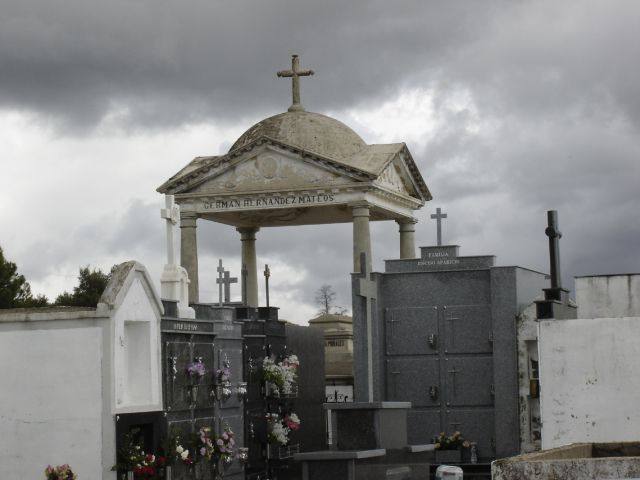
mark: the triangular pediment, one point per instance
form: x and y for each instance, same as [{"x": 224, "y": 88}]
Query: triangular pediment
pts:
[
  {"x": 395, "y": 178},
  {"x": 267, "y": 169}
]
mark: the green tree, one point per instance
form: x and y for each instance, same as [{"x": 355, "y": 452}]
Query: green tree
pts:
[
  {"x": 15, "y": 291},
  {"x": 91, "y": 284}
]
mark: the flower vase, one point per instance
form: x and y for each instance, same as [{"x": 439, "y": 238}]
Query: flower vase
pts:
[
  {"x": 193, "y": 394},
  {"x": 448, "y": 456},
  {"x": 272, "y": 390},
  {"x": 217, "y": 470},
  {"x": 168, "y": 472},
  {"x": 129, "y": 475}
]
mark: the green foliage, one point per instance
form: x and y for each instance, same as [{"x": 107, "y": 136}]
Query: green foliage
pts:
[
  {"x": 130, "y": 452},
  {"x": 91, "y": 284},
  {"x": 15, "y": 291}
]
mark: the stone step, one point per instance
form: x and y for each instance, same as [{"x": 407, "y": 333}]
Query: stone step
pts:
[{"x": 398, "y": 473}]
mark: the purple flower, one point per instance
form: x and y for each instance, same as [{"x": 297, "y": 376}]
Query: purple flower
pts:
[
  {"x": 196, "y": 369},
  {"x": 203, "y": 451}
]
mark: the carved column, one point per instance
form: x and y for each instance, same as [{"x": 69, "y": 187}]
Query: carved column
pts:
[
  {"x": 407, "y": 228},
  {"x": 189, "y": 251},
  {"x": 361, "y": 236},
  {"x": 248, "y": 238}
]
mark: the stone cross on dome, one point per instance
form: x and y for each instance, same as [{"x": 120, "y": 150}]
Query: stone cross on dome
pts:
[{"x": 295, "y": 73}]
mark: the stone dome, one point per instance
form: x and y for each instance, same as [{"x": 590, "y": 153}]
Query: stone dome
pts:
[{"x": 309, "y": 131}]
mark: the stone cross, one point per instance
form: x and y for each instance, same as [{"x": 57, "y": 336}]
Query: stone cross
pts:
[
  {"x": 171, "y": 213},
  {"x": 554, "y": 235},
  {"x": 220, "y": 281},
  {"x": 227, "y": 281},
  {"x": 438, "y": 217},
  {"x": 367, "y": 288},
  {"x": 295, "y": 73}
]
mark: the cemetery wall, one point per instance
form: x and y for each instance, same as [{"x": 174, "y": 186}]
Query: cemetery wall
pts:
[
  {"x": 590, "y": 390},
  {"x": 55, "y": 398},
  {"x": 529, "y": 400},
  {"x": 608, "y": 296}
]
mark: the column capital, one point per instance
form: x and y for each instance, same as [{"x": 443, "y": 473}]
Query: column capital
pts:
[
  {"x": 188, "y": 219},
  {"x": 247, "y": 233},
  {"x": 360, "y": 210},
  {"x": 407, "y": 224}
]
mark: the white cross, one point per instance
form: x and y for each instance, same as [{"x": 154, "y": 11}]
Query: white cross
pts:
[
  {"x": 368, "y": 289},
  {"x": 171, "y": 214}
]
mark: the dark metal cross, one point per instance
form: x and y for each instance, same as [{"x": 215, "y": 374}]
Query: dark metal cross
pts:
[
  {"x": 438, "y": 216},
  {"x": 554, "y": 235},
  {"x": 368, "y": 289},
  {"x": 295, "y": 73}
]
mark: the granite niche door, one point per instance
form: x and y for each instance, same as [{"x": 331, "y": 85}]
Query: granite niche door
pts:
[
  {"x": 440, "y": 358},
  {"x": 467, "y": 373},
  {"x": 412, "y": 367}
]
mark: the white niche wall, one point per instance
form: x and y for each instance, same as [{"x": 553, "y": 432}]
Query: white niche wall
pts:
[{"x": 136, "y": 348}]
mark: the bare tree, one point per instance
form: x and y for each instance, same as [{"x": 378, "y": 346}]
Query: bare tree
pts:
[{"x": 325, "y": 297}]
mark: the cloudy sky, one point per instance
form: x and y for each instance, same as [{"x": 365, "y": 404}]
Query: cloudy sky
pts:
[{"x": 510, "y": 109}]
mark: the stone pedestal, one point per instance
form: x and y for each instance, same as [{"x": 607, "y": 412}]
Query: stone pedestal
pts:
[
  {"x": 370, "y": 443},
  {"x": 174, "y": 286},
  {"x": 365, "y": 426},
  {"x": 555, "y": 305}
]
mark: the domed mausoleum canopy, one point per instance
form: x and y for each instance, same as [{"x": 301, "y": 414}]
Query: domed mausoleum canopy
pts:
[
  {"x": 308, "y": 131},
  {"x": 300, "y": 168}
]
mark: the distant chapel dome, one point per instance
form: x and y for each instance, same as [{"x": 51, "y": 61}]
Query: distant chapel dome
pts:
[{"x": 309, "y": 131}]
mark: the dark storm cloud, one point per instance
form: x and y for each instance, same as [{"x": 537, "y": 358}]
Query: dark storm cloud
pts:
[
  {"x": 168, "y": 63},
  {"x": 551, "y": 117}
]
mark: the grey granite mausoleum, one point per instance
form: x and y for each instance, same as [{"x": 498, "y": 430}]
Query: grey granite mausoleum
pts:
[{"x": 444, "y": 337}]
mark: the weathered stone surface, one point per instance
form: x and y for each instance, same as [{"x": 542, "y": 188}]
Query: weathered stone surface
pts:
[
  {"x": 573, "y": 462},
  {"x": 310, "y": 131}
]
